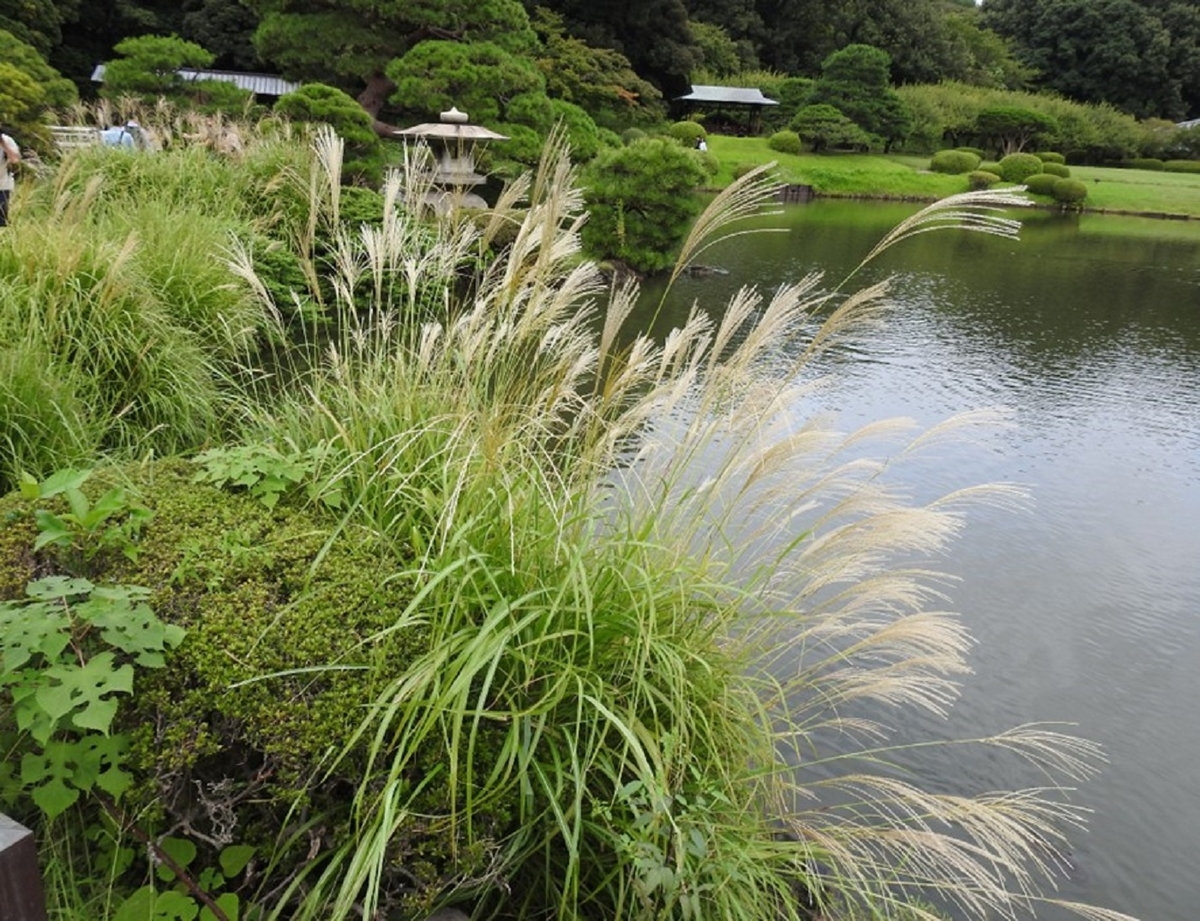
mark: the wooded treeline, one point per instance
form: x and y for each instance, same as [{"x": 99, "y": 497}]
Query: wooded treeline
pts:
[{"x": 1142, "y": 56}]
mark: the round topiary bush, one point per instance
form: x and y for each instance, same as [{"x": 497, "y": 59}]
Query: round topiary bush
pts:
[
  {"x": 1069, "y": 191},
  {"x": 640, "y": 202},
  {"x": 688, "y": 132},
  {"x": 978, "y": 151},
  {"x": 954, "y": 162},
  {"x": 322, "y": 104},
  {"x": 981, "y": 179},
  {"x": 630, "y": 135},
  {"x": 1056, "y": 169},
  {"x": 741, "y": 169},
  {"x": 1041, "y": 183},
  {"x": 786, "y": 142},
  {"x": 1182, "y": 166},
  {"x": 1050, "y": 156},
  {"x": 990, "y": 166},
  {"x": 1017, "y": 166}
]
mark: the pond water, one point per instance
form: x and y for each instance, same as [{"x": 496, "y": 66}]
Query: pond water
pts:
[{"x": 1086, "y": 606}]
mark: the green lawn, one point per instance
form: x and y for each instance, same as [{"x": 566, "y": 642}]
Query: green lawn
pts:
[{"x": 905, "y": 176}]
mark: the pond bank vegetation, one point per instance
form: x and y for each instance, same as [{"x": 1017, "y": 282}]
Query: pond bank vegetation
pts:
[{"x": 412, "y": 578}]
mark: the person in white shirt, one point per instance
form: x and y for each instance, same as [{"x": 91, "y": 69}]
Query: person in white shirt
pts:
[
  {"x": 12, "y": 156},
  {"x": 128, "y": 136}
]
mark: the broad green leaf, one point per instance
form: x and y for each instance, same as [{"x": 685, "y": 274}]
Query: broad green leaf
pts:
[
  {"x": 53, "y": 530},
  {"x": 29, "y": 486},
  {"x": 54, "y": 797},
  {"x": 148, "y": 905},
  {"x": 234, "y": 859},
  {"x": 107, "y": 505},
  {"x": 99, "y": 764},
  {"x": 31, "y": 717},
  {"x": 228, "y": 903},
  {"x": 81, "y": 690},
  {"x": 53, "y": 588},
  {"x": 79, "y": 504},
  {"x": 30, "y": 629},
  {"x": 132, "y": 628},
  {"x": 63, "y": 480},
  {"x": 181, "y": 850}
]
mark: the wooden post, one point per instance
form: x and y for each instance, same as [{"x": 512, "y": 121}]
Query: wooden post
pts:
[{"x": 21, "y": 894}]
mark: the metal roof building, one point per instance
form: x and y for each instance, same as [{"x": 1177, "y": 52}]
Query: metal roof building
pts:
[
  {"x": 258, "y": 84},
  {"x": 728, "y": 95}
]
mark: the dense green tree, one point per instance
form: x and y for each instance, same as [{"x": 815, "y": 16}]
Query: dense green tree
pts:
[
  {"x": 89, "y": 39},
  {"x": 719, "y": 54},
  {"x": 1010, "y": 129},
  {"x": 801, "y": 34},
  {"x": 640, "y": 202},
  {"x": 149, "y": 65},
  {"x": 823, "y": 128},
  {"x": 349, "y": 43},
  {"x": 912, "y": 32},
  {"x": 38, "y": 22},
  {"x": 855, "y": 81},
  {"x": 600, "y": 80},
  {"x": 740, "y": 19},
  {"x": 480, "y": 78},
  {"x": 654, "y": 35},
  {"x": 224, "y": 27},
  {"x": 1181, "y": 19},
  {"x": 21, "y": 99},
  {"x": 979, "y": 56},
  {"x": 55, "y": 89},
  {"x": 1116, "y": 51}
]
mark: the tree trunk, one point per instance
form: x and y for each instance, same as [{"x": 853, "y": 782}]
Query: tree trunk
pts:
[{"x": 372, "y": 98}]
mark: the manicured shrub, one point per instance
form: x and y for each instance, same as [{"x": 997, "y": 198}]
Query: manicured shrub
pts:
[
  {"x": 1069, "y": 191},
  {"x": 630, "y": 135},
  {"x": 742, "y": 169},
  {"x": 978, "y": 151},
  {"x": 1182, "y": 166},
  {"x": 708, "y": 162},
  {"x": 640, "y": 202},
  {"x": 1147, "y": 163},
  {"x": 786, "y": 142},
  {"x": 607, "y": 137},
  {"x": 522, "y": 149},
  {"x": 990, "y": 166},
  {"x": 1050, "y": 156},
  {"x": 954, "y": 162},
  {"x": 823, "y": 126},
  {"x": 688, "y": 132},
  {"x": 1015, "y": 167},
  {"x": 319, "y": 103},
  {"x": 1041, "y": 183},
  {"x": 1056, "y": 169},
  {"x": 981, "y": 179},
  {"x": 581, "y": 130}
]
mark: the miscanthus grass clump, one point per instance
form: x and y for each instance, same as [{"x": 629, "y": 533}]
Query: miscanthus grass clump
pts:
[{"x": 678, "y": 610}]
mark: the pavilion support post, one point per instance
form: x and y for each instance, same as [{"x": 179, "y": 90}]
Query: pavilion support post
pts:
[{"x": 21, "y": 895}]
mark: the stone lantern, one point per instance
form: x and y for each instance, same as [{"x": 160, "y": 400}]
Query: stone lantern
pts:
[{"x": 452, "y": 140}]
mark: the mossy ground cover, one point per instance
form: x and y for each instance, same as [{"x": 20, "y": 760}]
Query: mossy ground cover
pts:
[{"x": 906, "y": 176}]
